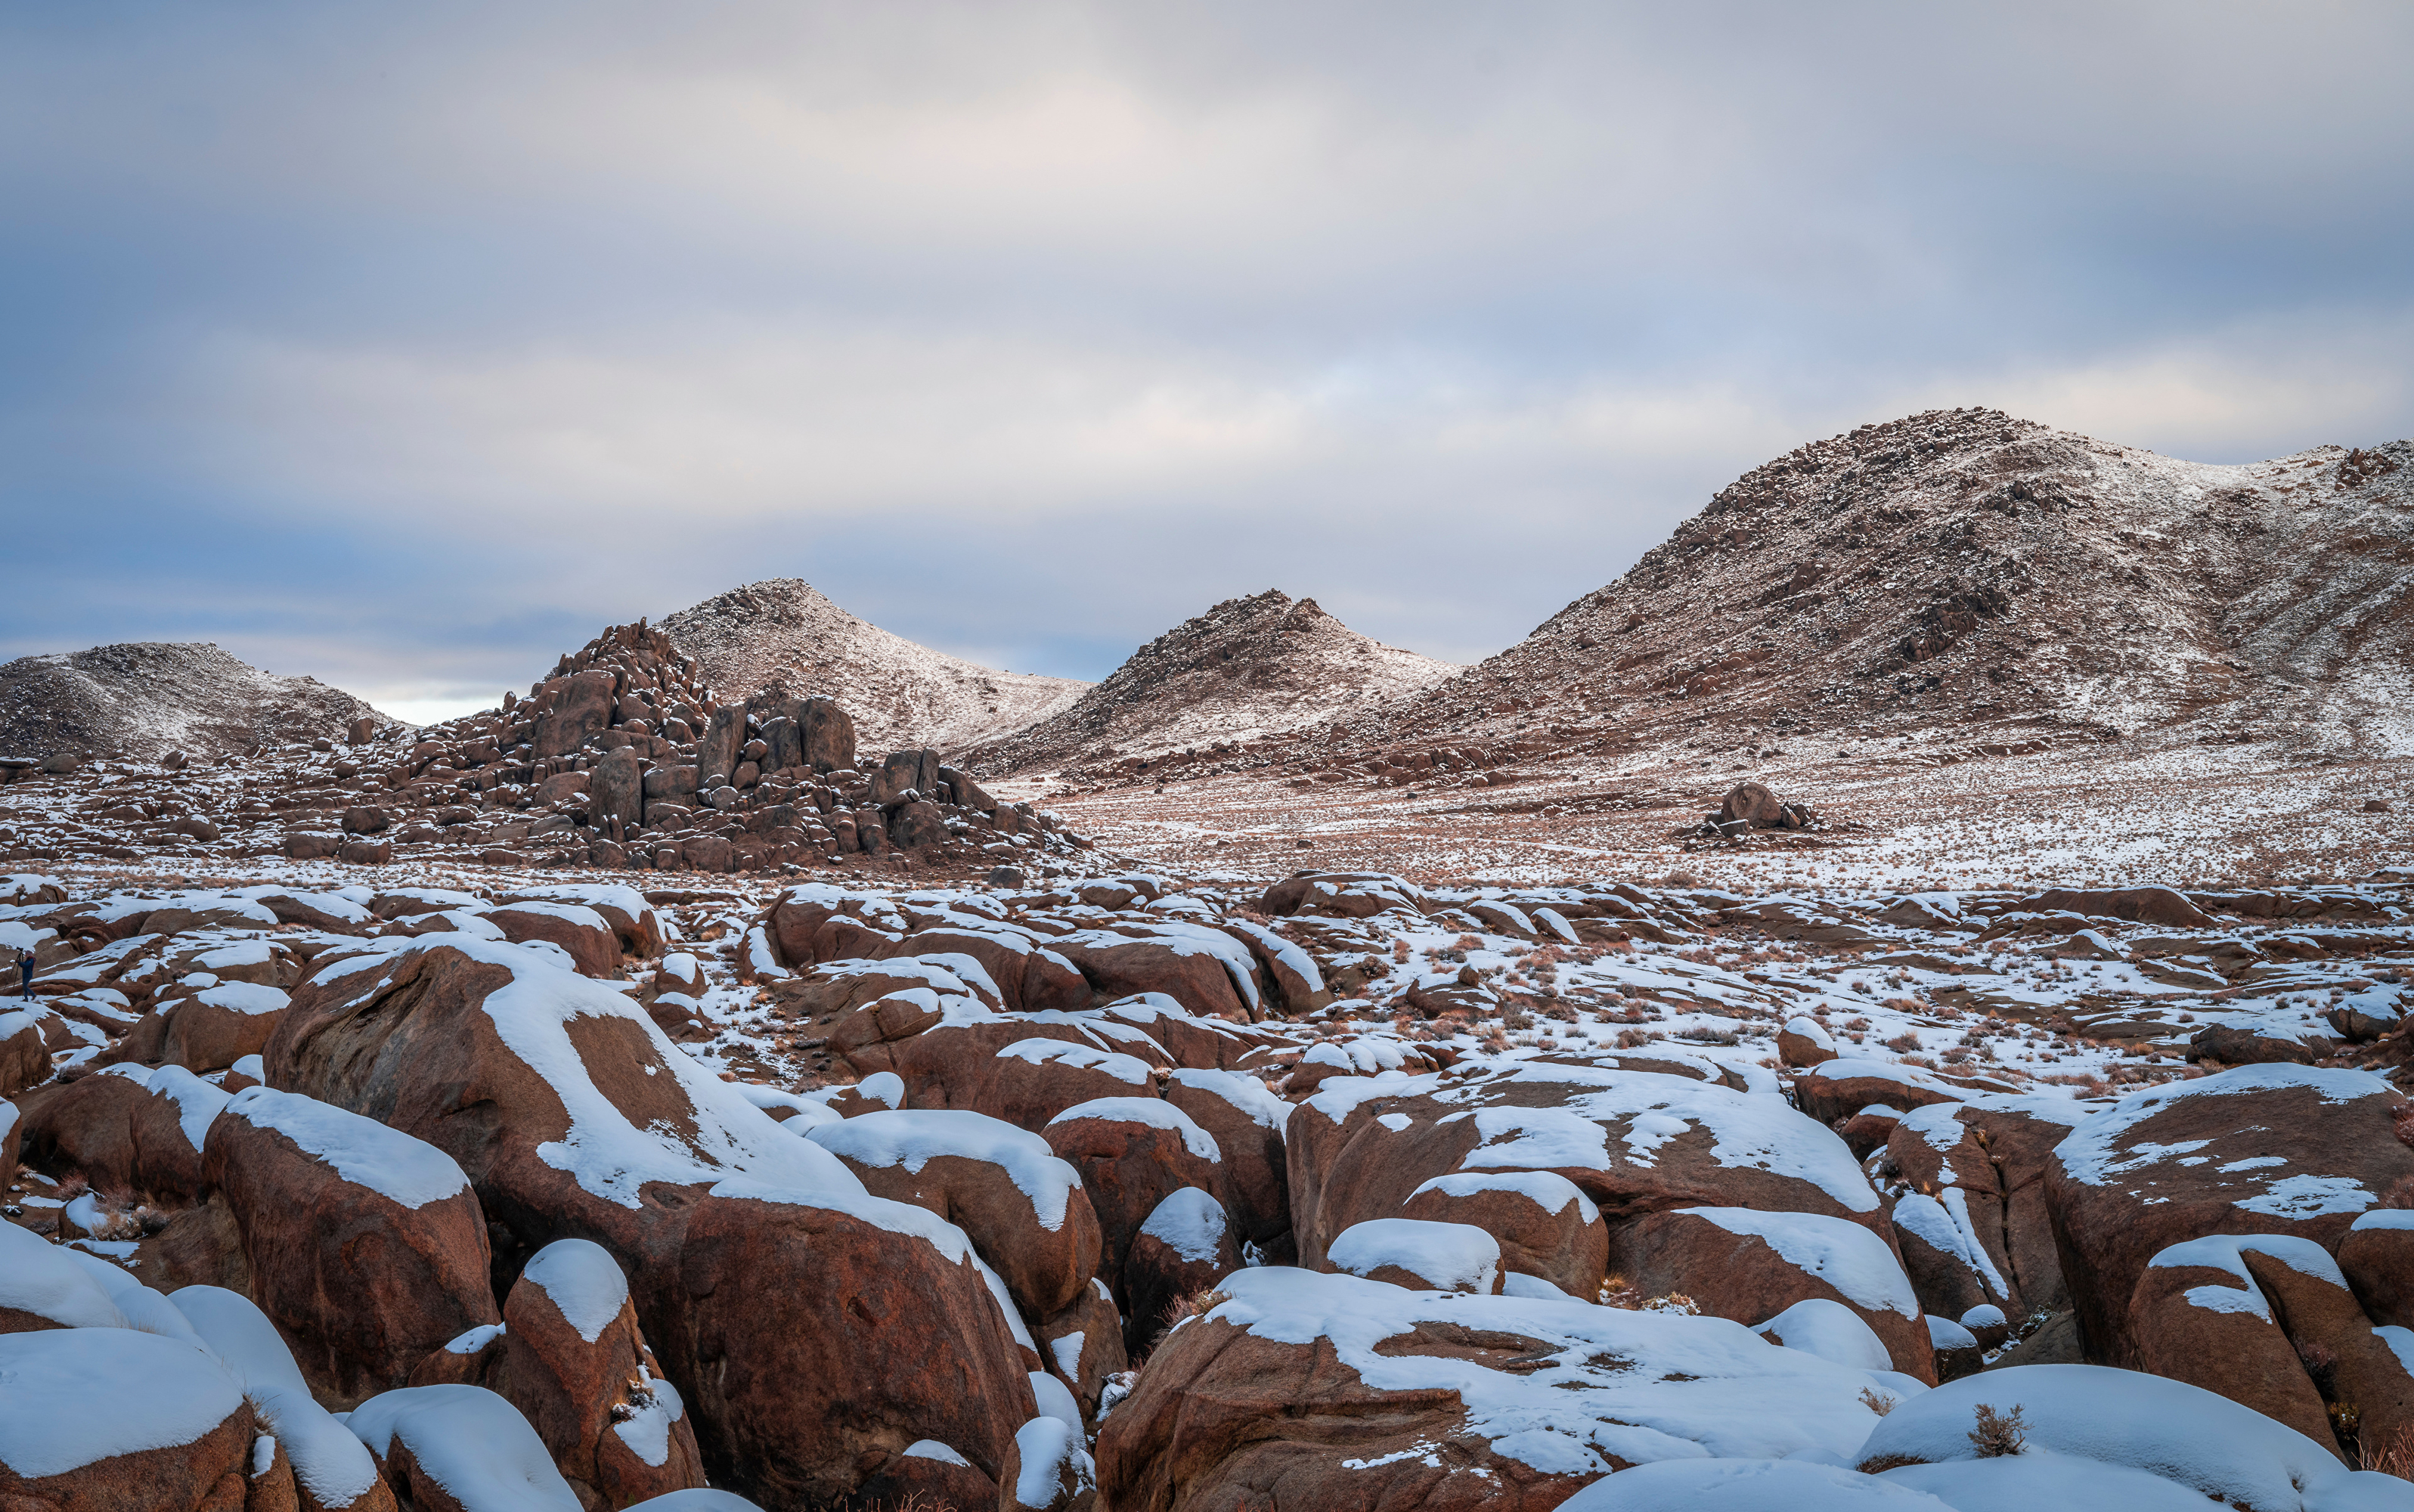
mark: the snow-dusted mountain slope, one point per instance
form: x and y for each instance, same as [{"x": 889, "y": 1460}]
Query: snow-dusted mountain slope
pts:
[
  {"x": 786, "y": 634},
  {"x": 1245, "y": 669},
  {"x": 147, "y": 698},
  {"x": 1964, "y": 570}
]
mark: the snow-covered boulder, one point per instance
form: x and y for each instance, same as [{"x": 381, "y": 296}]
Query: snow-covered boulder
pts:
[
  {"x": 1419, "y": 1255},
  {"x": 1133, "y": 1152},
  {"x": 574, "y": 1363},
  {"x": 365, "y": 1244},
  {"x": 2270, "y": 1322},
  {"x": 1329, "y": 1391},
  {"x": 1742, "y": 1264},
  {"x": 332, "y": 1469},
  {"x": 132, "y": 1131},
  {"x": 2103, "y": 1440},
  {"x": 1247, "y": 1122},
  {"x": 1974, "y": 1230},
  {"x": 1184, "y": 1249},
  {"x": 1545, "y": 1224},
  {"x": 460, "y": 1448},
  {"x": 2262, "y": 1150},
  {"x": 1022, "y": 1206},
  {"x": 105, "y": 1418},
  {"x": 1631, "y": 1141}
]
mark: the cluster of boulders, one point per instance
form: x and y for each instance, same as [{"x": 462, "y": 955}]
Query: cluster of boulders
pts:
[
  {"x": 1098, "y": 1195},
  {"x": 624, "y": 756},
  {"x": 621, "y": 759},
  {"x": 1753, "y": 807}
]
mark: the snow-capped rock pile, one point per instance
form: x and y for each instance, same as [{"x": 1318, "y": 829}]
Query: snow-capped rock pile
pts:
[
  {"x": 1129, "y": 1193},
  {"x": 624, "y": 758}
]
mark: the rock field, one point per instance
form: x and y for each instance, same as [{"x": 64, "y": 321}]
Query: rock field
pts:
[
  {"x": 1958, "y": 1059},
  {"x": 1121, "y": 1190}
]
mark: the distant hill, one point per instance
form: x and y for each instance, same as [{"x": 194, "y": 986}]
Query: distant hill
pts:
[
  {"x": 1244, "y": 670},
  {"x": 1965, "y": 569},
  {"x": 148, "y": 698},
  {"x": 785, "y": 632}
]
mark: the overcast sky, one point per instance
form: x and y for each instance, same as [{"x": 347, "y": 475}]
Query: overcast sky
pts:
[{"x": 407, "y": 346}]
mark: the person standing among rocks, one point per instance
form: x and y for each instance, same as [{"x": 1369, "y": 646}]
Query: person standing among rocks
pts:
[{"x": 25, "y": 974}]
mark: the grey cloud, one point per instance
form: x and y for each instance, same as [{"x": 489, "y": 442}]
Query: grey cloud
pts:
[{"x": 404, "y": 347}]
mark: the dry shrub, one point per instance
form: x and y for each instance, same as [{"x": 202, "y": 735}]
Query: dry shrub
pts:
[
  {"x": 1999, "y": 1434},
  {"x": 1876, "y": 1401},
  {"x": 1182, "y": 1309},
  {"x": 2393, "y": 1458},
  {"x": 1195, "y": 1304}
]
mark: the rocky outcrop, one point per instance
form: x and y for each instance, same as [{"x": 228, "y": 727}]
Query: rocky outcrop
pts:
[
  {"x": 760, "y": 1269},
  {"x": 2281, "y": 1149}
]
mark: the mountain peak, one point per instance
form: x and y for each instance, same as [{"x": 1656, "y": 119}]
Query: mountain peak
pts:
[
  {"x": 785, "y": 634},
  {"x": 1246, "y": 668},
  {"x": 149, "y": 697}
]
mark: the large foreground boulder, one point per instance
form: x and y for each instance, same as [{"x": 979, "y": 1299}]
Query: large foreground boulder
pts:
[
  {"x": 809, "y": 1327},
  {"x": 105, "y": 1419},
  {"x": 2300, "y": 1150},
  {"x": 1315, "y": 1391},
  {"x": 364, "y": 1245}
]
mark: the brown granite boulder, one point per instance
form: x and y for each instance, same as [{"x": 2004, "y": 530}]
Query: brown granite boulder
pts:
[
  {"x": 1246, "y": 1123},
  {"x": 1180, "y": 1251},
  {"x": 1633, "y": 1142},
  {"x": 1749, "y": 1267},
  {"x": 576, "y": 928},
  {"x": 1026, "y": 1082},
  {"x": 458, "y": 1448},
  {"x": 132, "y": 1131},
  {"x": 2300, "y": 1151},
  {"x": 1267, "y": 1399},
  {"x": 574, "y": 1363},
  {"x": 113, "y": 1419},
  {"x": 1545, "y": 1225},
  {"x": 812, "y": 1337},
  {"x": 1974, "y": 1227},
  {"x": 568, "y": 709},
  {"x": 24, "y": 1052},
  {"x": 363, "y": 1245},
  {"x": 1183, "y": 966},
  {"x": 1132, "y": 1153},
  {"x": 2132, "y": 905},
  {"x": 1023, "y": 1209},
  {"x": 1837, "y": 1088},
  {"x": 2268, "y": 1321},
  {"x": 1083, "y": 1345},
  {"x": 211, "y": 1029},
  {"x": 2378, "y": 1258}
]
